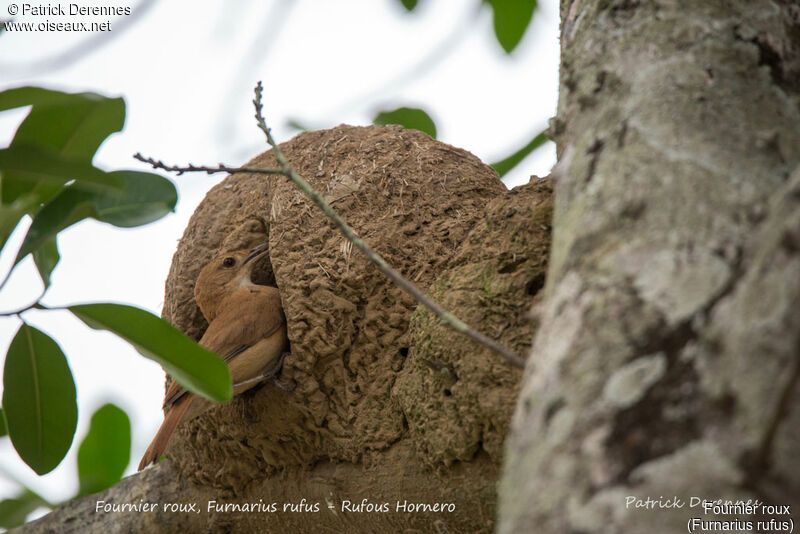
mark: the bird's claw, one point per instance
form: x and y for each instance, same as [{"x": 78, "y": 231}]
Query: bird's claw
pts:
[{"x": 291, "y": 386}]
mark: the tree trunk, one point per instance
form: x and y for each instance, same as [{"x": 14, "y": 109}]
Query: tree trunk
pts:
[{"x": 666, "y": 364}]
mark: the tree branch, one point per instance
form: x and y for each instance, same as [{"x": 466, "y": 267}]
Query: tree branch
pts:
[
  {"x": 396, "y": 477},
  {"x": 158, "y": 164}
]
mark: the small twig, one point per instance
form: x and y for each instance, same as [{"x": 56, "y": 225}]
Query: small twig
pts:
[
  {"x": 157, "y": 164},
  {"x": 445, "y": 317}
]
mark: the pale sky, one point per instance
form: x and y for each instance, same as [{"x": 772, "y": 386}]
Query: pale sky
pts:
[{"x": 186, "y": 71}]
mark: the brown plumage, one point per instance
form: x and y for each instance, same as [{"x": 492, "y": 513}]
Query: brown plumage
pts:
[{"x": 246, "y": 328}]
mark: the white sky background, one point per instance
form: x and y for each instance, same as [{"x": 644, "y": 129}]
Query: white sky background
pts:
[{"x": 186, "y": 71}]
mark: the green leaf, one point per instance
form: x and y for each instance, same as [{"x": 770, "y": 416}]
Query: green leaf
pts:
[
  {"x": 12, "y": 214},
  {"x": 48, "y": 173},
  {"x": 409, "y": 4},
  {"x": 105, "y": 451},
  {"x": 13, "y": 512},
  {"x": 511, "y": 19},
  {"x": 506, "y": 164},
  {"x": 31, "y": 96},
  {"x": 144, "y": 198},
  {"x": 36, "y": 165},
  {"x": 69, "y": 125},
  {"x": 46, "y": 258},
  {"x": 74, "y": 128},
  {"x": 194, "y": 367},
  {"x": 68, "y": 208},
  {"x": 3, "y": 430},
  {"x": 39, "y": 399},
  {"x": 412, "y": 118}
]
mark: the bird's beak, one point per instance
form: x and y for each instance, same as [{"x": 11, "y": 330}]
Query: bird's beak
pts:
[{"x": 258, "y": 252}]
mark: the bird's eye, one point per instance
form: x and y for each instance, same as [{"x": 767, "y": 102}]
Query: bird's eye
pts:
[{"x": 229, "y": 262}]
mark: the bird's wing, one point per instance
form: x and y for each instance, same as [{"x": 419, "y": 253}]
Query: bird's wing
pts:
[{"x": 248, "y": 316}]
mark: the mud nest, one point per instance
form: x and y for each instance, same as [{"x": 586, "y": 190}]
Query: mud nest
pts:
[{"x": 365, "y": 380}]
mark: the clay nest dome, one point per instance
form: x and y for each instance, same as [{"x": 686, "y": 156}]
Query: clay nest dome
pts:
[{"x": 371, "y": 391}]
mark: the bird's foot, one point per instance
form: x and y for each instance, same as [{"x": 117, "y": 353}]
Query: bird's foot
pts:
[{"x": 290, "y": 386}]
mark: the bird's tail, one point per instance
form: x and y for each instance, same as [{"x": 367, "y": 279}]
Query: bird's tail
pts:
[{"x": 161, "y": 439}]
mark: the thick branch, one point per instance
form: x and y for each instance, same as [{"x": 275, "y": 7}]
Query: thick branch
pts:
[{"x": 324, "y": 491}]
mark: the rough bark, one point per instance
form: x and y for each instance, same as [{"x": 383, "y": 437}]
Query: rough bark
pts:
[
  {"x": 667, "y": 359},
  {"x": 326, "y": 485}
]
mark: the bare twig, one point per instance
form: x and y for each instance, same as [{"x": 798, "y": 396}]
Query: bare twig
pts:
[
  {"x": 157, "y": 164},
  {"x": 447, "y": 318}
]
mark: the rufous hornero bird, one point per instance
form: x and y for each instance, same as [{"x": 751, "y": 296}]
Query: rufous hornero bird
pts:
[{"x": 246, "y": 327}]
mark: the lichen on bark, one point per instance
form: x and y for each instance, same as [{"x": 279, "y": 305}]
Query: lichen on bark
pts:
[{"x": 667, "y": 257}]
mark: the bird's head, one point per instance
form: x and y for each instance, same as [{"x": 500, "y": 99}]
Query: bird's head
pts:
[{"x": 223, "y": 275}]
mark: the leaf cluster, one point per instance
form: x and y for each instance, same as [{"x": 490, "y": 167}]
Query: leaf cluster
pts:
[{"x": 47, "y": 175}]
